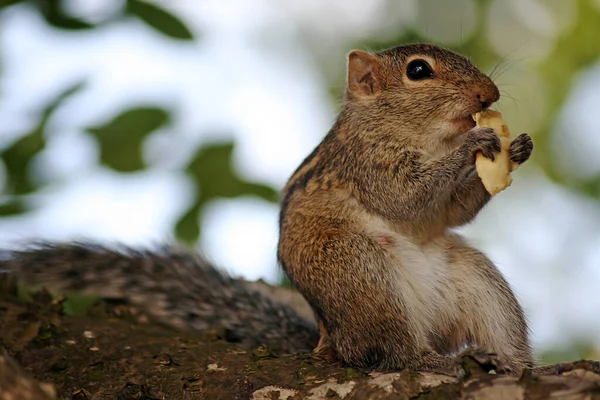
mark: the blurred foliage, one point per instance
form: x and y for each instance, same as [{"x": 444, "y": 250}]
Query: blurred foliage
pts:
[
  {"x": 575, "y": 50},
  {"x": 52, "y": 11},
  {"x": 211, "y": 169},
  {"x": 18, "y": 156},
  {"x": 121, "y": 139},
  {"x": 159, "y": 19},
  {"x": 78, "y": 304},
  {"x": 56, "y": 14}
]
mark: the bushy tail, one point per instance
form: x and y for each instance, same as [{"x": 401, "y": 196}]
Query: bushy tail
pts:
[{"x": 172, "y": 285}]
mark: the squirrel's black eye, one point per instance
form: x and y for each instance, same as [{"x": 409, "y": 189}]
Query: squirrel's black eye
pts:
[{"x": 417, "y": 70}]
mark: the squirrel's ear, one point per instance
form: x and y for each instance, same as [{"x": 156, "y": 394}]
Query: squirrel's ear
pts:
[{"x": 361, "y": 73}]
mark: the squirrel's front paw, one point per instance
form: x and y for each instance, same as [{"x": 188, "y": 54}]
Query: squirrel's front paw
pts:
[
  {"x": 521, "y": 148},
  {"x": 482, "y": 140}
]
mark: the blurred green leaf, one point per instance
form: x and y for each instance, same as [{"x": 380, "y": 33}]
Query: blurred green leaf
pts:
[
  {"x": 121, "y": 139},
  {"x": 188, "y": 228},
  {"x": 17, "y": 157},
  {"x": 58, "y": 100},
  {"x": 589, "y": 187},
  {"x": 79, "y": 304},
  {"x": 215, "y": 178},
  {"x": 159, "y": 19},
  {"x": 53, "y": 13},
  {"x": 6, "y": 3},
  {"x": 212, "y": 169},
  {"x": 13, "y": 206}
]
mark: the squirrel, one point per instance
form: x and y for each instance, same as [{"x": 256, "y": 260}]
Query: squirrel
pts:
[
  {"x": 366, "y": 219},
  {"x": 365, "y": 236}
]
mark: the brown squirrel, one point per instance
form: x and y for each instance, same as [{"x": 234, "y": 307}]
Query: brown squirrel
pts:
[
  {"x": 364, "y": 236},
  {"x": 365, "y": 221}
]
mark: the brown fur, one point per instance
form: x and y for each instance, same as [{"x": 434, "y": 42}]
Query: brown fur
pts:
[{"x": 365, "y": 219}]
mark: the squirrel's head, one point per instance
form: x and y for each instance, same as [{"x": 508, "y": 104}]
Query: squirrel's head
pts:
[{"x": 424, "y": 88}]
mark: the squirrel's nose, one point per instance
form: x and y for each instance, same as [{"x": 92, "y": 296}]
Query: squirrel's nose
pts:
[
  {"x": 487, "y": 97},
  {"x": 484, "y": 104}
]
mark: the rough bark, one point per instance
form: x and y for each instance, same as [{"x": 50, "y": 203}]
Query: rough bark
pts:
[{"x": 112, "y": 352}]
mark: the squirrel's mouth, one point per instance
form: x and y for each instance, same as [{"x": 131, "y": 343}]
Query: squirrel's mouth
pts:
[{"x": 464, "y": 123}]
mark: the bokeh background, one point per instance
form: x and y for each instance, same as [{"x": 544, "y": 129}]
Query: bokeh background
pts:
[{"x": 139, "y": 122}]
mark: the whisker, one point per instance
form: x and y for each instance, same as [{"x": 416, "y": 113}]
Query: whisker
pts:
[
  {"x": 511, "y": 97},
  {"x": 504, "y": 63}
]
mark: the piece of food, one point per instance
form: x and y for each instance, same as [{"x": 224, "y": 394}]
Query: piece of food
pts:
[{"x": 495, "y": 175}]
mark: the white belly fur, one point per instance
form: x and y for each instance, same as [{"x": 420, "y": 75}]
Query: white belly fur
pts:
[{"x": 421, "y": 274}]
